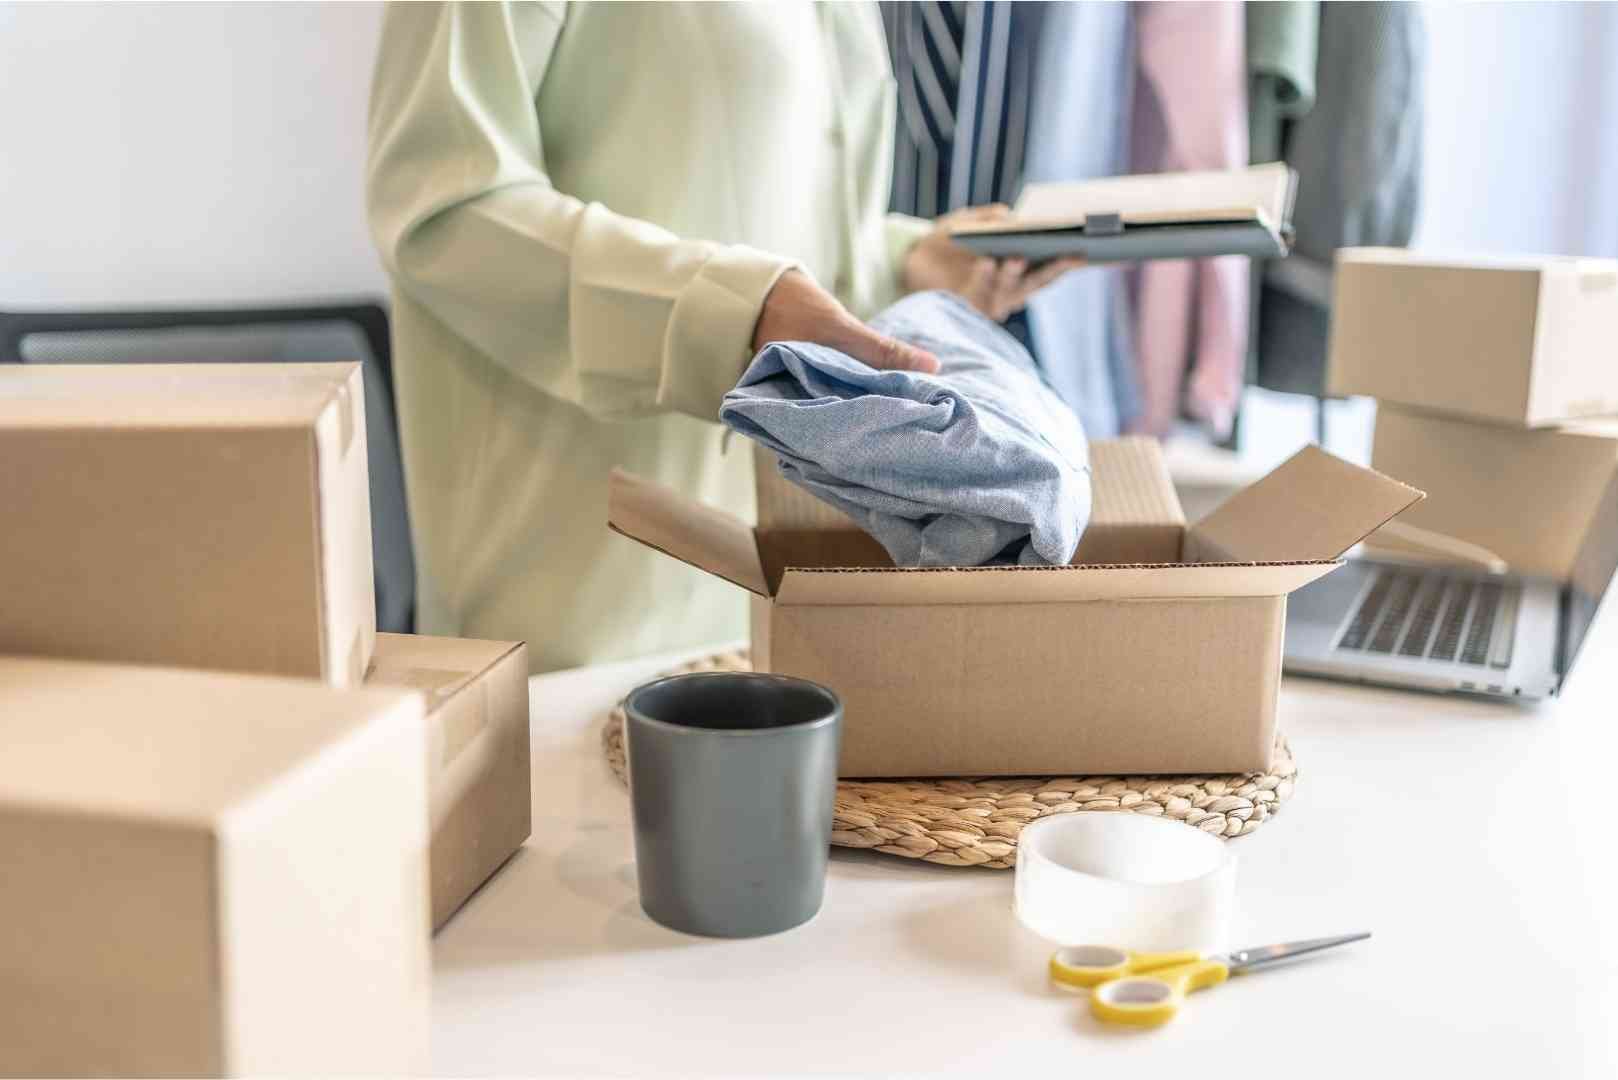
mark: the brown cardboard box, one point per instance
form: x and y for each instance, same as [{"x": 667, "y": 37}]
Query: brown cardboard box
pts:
[
  {"x": 194, "y": 515},
  {"x": 208, "y": 873},
  {"x": 1528, "y": 496},
  {"x": 477, "y": 752},
  {"x": 1158, "y": 651},
  {"x": 1524, "y": 341}
]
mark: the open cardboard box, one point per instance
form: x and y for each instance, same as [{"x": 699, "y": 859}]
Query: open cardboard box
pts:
[{"x": 1157, "y": 651}]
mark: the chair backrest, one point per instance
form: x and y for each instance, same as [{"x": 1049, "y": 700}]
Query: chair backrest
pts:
[{"x": 353, "y": 331}]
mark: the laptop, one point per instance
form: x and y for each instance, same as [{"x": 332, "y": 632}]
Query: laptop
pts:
[{"x": 1435, "y": 628}]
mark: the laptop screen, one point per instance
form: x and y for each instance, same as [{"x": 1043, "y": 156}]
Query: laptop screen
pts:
[{"x": 1593, "y": 571}]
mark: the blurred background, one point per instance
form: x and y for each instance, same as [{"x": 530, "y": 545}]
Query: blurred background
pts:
[{"x": 198, "y": 154}]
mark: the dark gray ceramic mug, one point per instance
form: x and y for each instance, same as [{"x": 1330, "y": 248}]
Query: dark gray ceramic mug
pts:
[{"x": 732, "y": 776}]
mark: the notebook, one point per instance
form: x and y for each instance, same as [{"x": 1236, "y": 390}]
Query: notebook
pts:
[{"x": 1153, "y": 216}]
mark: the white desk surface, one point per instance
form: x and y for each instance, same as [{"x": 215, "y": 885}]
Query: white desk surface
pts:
[{"x": 1476, "y": 840}]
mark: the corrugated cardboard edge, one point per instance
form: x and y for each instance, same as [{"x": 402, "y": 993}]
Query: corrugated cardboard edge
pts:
[
  {"x": 1083, "y": 583},
  {"x": 1312, "y": 506}
]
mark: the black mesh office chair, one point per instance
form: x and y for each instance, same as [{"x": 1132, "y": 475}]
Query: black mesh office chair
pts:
[{"x": 352, "y": 331}]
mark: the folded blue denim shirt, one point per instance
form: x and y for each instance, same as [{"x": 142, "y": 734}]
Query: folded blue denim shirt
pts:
[{"x": 981, "y": 463}]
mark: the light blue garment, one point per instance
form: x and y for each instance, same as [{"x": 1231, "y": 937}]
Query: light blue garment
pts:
[
  {"x": 980, "y": 463},
  {"x": 1078, "y": 129}
]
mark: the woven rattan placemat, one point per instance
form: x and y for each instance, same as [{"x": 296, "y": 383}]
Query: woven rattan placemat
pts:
[{"x": 976, "y": 822}]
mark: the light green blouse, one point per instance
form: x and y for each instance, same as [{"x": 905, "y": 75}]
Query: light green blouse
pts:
[{"x": 582, "y": 208}]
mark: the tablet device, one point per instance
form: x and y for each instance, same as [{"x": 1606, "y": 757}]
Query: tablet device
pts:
[{"x": 1153, "y": 216}]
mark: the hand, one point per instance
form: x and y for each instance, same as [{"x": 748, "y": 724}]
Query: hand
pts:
[
  {"x": 995, "y": 288},
  {"x": 798, "y": 309}
]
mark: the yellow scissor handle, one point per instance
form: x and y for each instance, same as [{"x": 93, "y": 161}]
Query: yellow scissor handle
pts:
[
  {"x": 1092, "y": 965},
  {"x": 1152, "y": 999}
]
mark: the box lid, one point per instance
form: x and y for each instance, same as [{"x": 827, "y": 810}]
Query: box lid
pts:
[
  {"x": 1313, "y": 506},
  {"x": 172, "y": 745},
  {"x": 173, "y": 395},
  {"x": 1579, "y": 265},
  {"x": 439, "y": 667}
]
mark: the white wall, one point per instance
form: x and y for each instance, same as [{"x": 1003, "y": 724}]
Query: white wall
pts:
[
  {"x": 180, "y": 152},
  {"x": 1521, "y": 133}
]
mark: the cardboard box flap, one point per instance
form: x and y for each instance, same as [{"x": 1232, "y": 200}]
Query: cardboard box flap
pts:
[
  {"x": 1313, "y": 506},
  {"x": 699, "y": 535},
  {"x": 1046, "y": 584},
  {"x": 784, "y": 505},
  {"x": 1130, "y": 484}
]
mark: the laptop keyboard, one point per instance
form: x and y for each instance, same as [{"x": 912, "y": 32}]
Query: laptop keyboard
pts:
[{"x": 1424, "y": 615}]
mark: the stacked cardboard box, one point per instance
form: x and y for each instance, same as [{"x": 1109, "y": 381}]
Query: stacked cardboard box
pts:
[
  {"x": 1491, "y": 377},
  {"x": 216, "y": 518}
]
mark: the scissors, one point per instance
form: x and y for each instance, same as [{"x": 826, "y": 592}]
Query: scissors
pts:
[{"x": 1146, "y": 989}]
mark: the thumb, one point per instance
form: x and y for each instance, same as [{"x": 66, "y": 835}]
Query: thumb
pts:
[{"x": 890, "y": 354}]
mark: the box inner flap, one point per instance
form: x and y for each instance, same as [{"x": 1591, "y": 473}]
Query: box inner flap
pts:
[
  {"x": 1313, "y": 506},
  {"x": 706, "y": 538},
  {"x": 1046, "y": 584},
  {"x": 1131, "y": 485},
  {"x": 783, "y": 505}
]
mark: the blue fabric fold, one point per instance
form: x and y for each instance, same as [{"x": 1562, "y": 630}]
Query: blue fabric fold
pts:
[{"x": 981, "y": 463}]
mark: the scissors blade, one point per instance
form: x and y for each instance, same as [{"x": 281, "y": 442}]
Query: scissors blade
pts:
[{"x": 1248, "y": 959}]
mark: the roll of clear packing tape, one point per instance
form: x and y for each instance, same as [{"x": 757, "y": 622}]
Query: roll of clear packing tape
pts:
[{"x": 1126, "y": 880}]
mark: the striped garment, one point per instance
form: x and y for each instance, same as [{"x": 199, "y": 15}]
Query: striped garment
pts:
[{"x": 964, "y": 73}]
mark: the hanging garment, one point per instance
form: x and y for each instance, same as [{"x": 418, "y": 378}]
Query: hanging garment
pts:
[
  {"x": 1191, "y": 113},
  {"x": 980, "y": 463},
  {"x": 1078, "y": 129},
  {"x": 963, "y": 72},
  {"x": 1282, "y": 48},
  {"x": 1358, "y": 157},
  {"x": 1282, "y": 37}
]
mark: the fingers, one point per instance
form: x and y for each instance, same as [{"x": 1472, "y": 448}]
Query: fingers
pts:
[
  {"x": 1015, "y": 283},
  {"x": 974, "y": 215},
  {"x": 891, "y": 354},
  {"x": 984, "y": 212},
  {"x": 1046, "y": 273},
  {"x": 1008, "y": 292}
]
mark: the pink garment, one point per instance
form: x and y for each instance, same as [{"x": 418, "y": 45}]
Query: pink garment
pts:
[{"x": 1190, "y": 113}]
